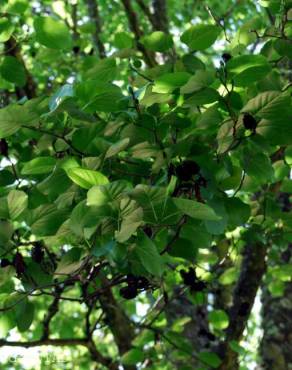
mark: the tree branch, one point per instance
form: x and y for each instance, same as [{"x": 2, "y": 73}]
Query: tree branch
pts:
[
  {"x": 135, "y": 28},
  {"x": 117, "y": 320},
  {"x": 85, "y": 342},
  {"x": 147, "y": 12},
  {"x": 160, "y": 15},
  {"x": 52, "y": 311},
  {"x": 252, "y": 270},
  {"x": 95, "y": 18}
]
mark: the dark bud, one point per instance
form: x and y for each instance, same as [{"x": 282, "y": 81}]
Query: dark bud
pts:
[
  {"x": 249, "y": 122},
  {"x": 5, "y": 262},
  {"x": 142, "y": 283},
  {"x": 165, "y": 297},
  {"x": 18, "y": 263},
  {"x": 286, "y": 256},
  {"x": 148, "y": 231},
  {"x": 244, "y": 309},
  {"x": 211, "y": 337},
  {"x": 189, "y": 277},
  {"x": 129, "y": 292},
  {"x": 171, "y": 170},
  {"x": 76, "y": 50},
  {"x": 3, "y": 147},
  {"x": 37, "y": 253},
  {"x": 131, "y": 279},
  {"x": 32, "y": 142},
  {"x": 186, "y": 170},
  {"x": 91, "y": 52},
  {"x": 198, "y": 286},
  {"x": 226, "y": 57}
]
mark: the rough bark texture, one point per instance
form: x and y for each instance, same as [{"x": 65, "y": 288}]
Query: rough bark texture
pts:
[
  {"x": 138, "y": 33},
  {"x": 252, "y": 270},
  {"x": 95, "y": 18},
  {"x": 196, "y": 330},
  {"x": 276, "y": 347},
  {"x": 118, "y": 322},
  {"x": 160, "y": 15}
]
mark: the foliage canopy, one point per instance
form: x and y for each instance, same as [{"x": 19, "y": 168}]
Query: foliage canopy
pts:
[{"x": 146, "y": 154}]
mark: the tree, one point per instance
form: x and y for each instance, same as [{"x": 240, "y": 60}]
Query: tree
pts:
[{"x": 145, "y": 166}]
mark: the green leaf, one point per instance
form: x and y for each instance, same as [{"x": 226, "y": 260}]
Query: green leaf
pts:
[
  {"x": 261, "y": 100},
  {"x": 65, "y": 92},
  {"x": 205, "y": 96},
  {"x": 6, "y": 273},
  {"x": 218, "y": 319},
  {"x": 103, "y": 70},
  {"x": 170, "y": 81},
  {"x": 238, "y": 212},
  {"x": 200, "y": 80},
  {"x": 123, "y": 40},
  {"x": 46, "y": 219},
  {"x": 247, "y": 69},
  {"x": 258, "y": 165},
  {"x": 133, "y": 356},
  {"x": 131, "y": 217},
  {"x": 157, "y": 41},
  {"x": 17, "y": 202},
  {"x": 52, "y": 33},
  {"x": 117, "y": 147},
  {"x": 229, "y": 276},
  {"x": 9, "y": 124},
  {"x": 148, "y": 255},
  {"x": 195, "y": 209},
  {"x": 86, "y": 178},
  {"x": 288, "y": 155},
  {"x": 268, "y": 104},
  {"x": 83, "y": 217},
  {"x": 24, "y": 315},
  {"x": 100, "y": 195},
  {"x": 99, "y": 96},
  {"x": 210, "y": 358},
  {"x": 184, "y": 248},
  {"x": 6, "y": 231},
  {"x": 39, "y": 166},
  {"x": 17, "y": 6},
  {"x": 13, "y": 71},
  {"x": 6, "y": 29},
  {"x": 283, "y": 47},
  {"x": 201, "y": 36},
  {"x": 70, "y": 262}
]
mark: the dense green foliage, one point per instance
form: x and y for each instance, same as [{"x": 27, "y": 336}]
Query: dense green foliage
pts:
[{"x": 146, "y": 156}]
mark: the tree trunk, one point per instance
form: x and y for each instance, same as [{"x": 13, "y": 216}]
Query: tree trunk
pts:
[{"x": 276, "y": 346}]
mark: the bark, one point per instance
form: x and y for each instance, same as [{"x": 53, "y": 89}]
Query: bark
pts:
[
  {"x": 160, "y": 15},
  {"x": 252, "y": 270},
  {"x": 138, "y": 33},
  {"x": 157, "y": 18},
  {"x": 29, "y": 89},
  {"x": 276, "y": 343},
  {"x": 196, "y": 330},
  {"x": 95, "y": 18},
  {"x": 147, "y": 12},
  {"x": 118, "y": 322}
]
